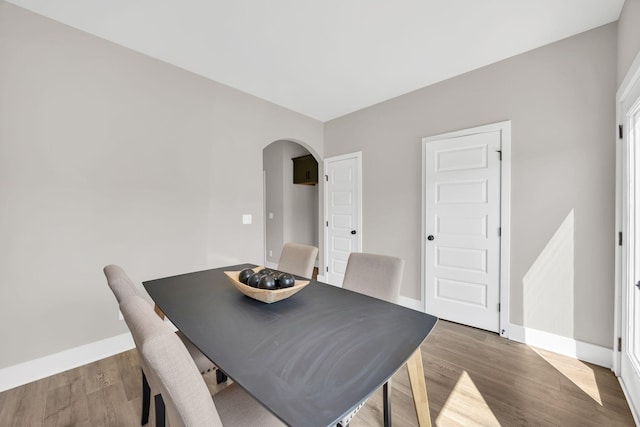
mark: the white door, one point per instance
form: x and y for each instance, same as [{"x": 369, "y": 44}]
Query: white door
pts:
[
  {"x": 630, "y": 292},
  {"x": 343, "y": 217},
  {"x": 462, "y": 227}
]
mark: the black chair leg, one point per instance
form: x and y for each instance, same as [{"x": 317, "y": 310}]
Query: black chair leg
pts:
[
  {"x": 220, "y": 376},
  {"x": 386, "y": 397},
  {"x": 146, "y": 399},
  {"x": 160, "y": 416}
]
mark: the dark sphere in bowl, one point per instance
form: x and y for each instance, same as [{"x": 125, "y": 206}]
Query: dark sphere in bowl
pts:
[
  {"x": 244, "y": 275},
  {"x": 266, "y": 271},
  {"x": 267, "y": 282},
  {"x": 286, "y": 280},
  {"x": 254, "y": 279}
]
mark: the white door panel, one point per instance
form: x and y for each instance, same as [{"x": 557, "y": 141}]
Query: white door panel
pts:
[
  {"x": 462, "y": 220},
  {"x": 343, "y": 213}
]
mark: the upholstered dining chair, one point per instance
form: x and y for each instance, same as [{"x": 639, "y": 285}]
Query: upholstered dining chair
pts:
[
  {"x": 377, "y": 276},
  {"x": 298, "y": 259},
  {"x": 182, "y": 388},
  {"x": 119, "y": 282},
  {"x": 123, "y": 288}
]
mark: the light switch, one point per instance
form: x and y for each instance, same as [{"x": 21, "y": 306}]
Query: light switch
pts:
[{"x": 246, "y": 219}]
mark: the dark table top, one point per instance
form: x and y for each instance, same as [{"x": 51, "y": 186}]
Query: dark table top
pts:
[{"x": 309, "y": 359}]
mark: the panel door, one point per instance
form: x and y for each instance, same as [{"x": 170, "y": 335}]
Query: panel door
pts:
[
  {"x": 342, "y": 205},
  {"x": 462, "y": 224}
]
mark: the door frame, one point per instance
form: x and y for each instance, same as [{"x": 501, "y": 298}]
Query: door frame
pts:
[
  {"x": 358, "y": 156},
  {"x": 505, "y": 213},
  {"x": 623, "y": 252}
]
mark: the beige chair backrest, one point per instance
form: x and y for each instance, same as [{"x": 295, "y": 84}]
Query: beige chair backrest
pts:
[
  {"x": 378, "y": 276},
  {"x": 169, "y": 365},
  {"x": 298, "y": 259},
  {"x": 120, "y": 283}
]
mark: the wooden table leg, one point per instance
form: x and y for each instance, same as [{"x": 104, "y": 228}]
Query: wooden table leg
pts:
[
  {"x": 419, "y": 388},
  {"x": 158, "y": 311}
]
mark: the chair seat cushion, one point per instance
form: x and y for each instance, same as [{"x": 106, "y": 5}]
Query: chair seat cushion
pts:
[
  {"x": 204, "y": 365},
  {"x": 237, "y": 408}
]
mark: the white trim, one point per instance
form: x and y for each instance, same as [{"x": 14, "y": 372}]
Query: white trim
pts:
[
  {"x": 625, "y": 261},
  {"x": 32, "y": 370},
  {"x": 619, "y": 253},
  {"x": 265, "y": 219},
  {"x": 412, "y": 303},
  {"x": 271, "y": 265},
  {"x": 505, "y": 227},
  {"x": 320, "y": 278},
  {"x": 581, "y": 350},
  {"x": 358, "y": 157},
  {"x": 505, "y": 213},
  {"x": 635, "y": 410},
  {"x": 621, "y": 215}
]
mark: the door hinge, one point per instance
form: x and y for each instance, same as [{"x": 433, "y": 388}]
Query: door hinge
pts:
[
  {"x": 326, "y": 178},
  {"x": 327, "y": 223},
  {"x": 499, "y": 154},
  {"x": 620, "y": 131},
  {"x": 327, "y": 268},
  {"x": 498, "y": 307},
  {"x": 619, "y": 344},
  {"x": 499, "y": 231},
  {"x": 619, "y": 238}
]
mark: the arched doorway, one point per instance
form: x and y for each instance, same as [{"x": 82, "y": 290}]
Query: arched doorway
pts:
[{"x": 291, "y": 209}]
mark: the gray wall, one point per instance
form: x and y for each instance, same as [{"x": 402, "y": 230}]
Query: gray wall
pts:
[
  {"x": 294, "y": 206},
  {"x": 274, "y": 200},
  {"x": 560, "y": 99},
  {"x": 109, "y": 156},
  {"x": 628, "y": 36}
]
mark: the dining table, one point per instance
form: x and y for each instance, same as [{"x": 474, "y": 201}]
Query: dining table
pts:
[{"x": 310, "y": 359}]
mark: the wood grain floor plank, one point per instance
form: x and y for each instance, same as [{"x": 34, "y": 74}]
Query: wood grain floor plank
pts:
[
  {"x": 66, "y": 402},
  {"x": 25, "y": 405},
  {"x": 108, "y": 407},
  {"x": 130, "y": 373}
]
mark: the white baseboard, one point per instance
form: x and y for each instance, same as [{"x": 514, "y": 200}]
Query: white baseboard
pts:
[
  {"x": 601, "y": 356},
  {"x": 26, "y": 372},
  {"x": 414, "y": 304}
]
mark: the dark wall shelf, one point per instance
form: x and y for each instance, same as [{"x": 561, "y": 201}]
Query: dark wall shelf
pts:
[{"x": 305, "y": 170}]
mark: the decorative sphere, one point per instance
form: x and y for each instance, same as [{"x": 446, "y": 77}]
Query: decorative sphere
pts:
[
  {"x": 254, "y": 279},
  {"x": 244, "y": 275},
  {"x": 286, "y": 280},
  {"x": 267, "y": 282}
]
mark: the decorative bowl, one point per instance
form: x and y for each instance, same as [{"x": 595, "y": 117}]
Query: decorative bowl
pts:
[{"x": 264, "y": 295}]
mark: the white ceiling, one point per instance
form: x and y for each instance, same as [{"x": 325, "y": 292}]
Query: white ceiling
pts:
[{"x": 327, "y": 58}]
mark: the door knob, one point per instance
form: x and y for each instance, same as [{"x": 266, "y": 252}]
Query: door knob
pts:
[
  {"x": 430, "y": 237},
  {"x": 353, "y": 231}
]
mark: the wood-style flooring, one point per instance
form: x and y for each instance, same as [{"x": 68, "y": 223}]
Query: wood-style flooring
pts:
[{"x": 474, "y": 378}]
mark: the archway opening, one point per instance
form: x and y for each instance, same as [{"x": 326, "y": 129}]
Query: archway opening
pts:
[{"x": 290, "y": 204}]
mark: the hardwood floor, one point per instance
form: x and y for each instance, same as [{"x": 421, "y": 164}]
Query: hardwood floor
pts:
[{"x": 474, "y": 378}]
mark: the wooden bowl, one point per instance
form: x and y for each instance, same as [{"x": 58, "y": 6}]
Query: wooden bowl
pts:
[{"x": 264, "y": 295}]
